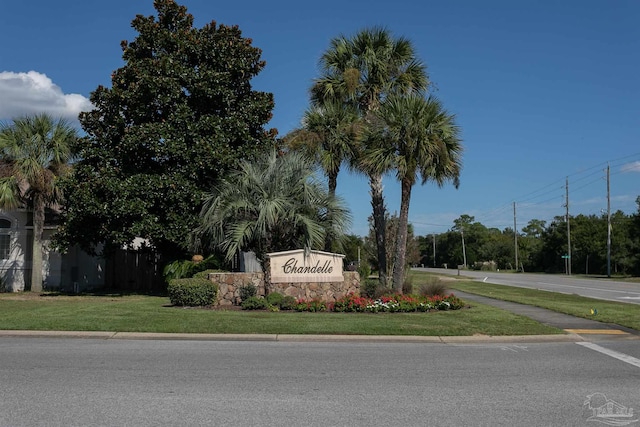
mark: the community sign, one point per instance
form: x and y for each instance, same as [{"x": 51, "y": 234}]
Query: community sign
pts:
[{"x": 298, "y": 266}]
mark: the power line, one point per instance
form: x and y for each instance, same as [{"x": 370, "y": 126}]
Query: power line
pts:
[{"x": 555, "y": 187}]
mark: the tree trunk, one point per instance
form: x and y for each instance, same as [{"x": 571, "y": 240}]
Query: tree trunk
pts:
[
  {"x": 379, "y": 226},
  {"x": 328, "y": 240},
  {"x": 38, "y": 227},
  {"x": 401, "y": 241},
  {"x": 266, "y": 274}
]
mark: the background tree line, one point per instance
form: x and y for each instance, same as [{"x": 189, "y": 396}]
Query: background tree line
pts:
[{"x": 541, "y": 246}]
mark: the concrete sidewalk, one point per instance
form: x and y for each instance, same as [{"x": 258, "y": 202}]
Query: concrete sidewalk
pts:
[{"x": 568, "y": 323}]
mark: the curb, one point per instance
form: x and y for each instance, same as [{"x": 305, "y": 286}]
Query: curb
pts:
[
  {"x": 570, "y": 337},
  {"x": 57, "y": 334}
]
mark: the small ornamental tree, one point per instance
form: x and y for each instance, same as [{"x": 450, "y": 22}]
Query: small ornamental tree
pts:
[
  {"x": 178, "y": 116},
  {"x": 275, "y": 203}
]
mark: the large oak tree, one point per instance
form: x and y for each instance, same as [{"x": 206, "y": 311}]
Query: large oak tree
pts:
[{"x": 179, "y": 114}]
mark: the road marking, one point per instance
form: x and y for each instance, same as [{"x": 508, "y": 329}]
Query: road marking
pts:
[
  {"x": 629, "y": 297},
  {"x": 597, "y": 331},
  {"x": 616, "y": 355},
  {"x": 514, "y": 348}
]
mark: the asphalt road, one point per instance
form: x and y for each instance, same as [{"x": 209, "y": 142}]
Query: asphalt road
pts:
[
  {"x": 605, "y": 289},
  {"x": 97, "y": 382}
]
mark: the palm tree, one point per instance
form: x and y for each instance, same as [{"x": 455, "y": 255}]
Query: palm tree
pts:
[
  {"x": 364, "y": 70},
  {"x": 419, "y": 138},
  {"x": 327, "y": 136},
  {"x": 368, "y": 67},
  {"x": 36, "y": 151},
  {"x": 273, "y": 204}
]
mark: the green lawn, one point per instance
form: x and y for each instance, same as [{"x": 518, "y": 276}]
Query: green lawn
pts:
[
  {"x": 139, "y": 313},
  {"x": 153, "y": 314}
]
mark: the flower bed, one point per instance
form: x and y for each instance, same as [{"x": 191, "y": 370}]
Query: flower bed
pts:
[{"x": 352, "y": 303}]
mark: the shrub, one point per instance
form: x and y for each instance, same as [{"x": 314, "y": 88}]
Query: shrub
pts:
[
  {"x": 192, "y": 292},
  {"x": 369, "y": 288},
  {"x": 275, "y": 299},
  {"x": 288, "y": 303},
  {"x": 485, "y": 265},
  {"x": 247, "y": 291},
  {"x": 364, "y": 270},
  {"x": 407, "y": 285},
  {"x": 254, "y": 303},
  {"x": 177, "y": 270},
  {"x": 381, "y": 291},
  {"x": 311, "y": 305},
  {"x": 181, "y": 269},
  {"x": 433, "y": 287}
]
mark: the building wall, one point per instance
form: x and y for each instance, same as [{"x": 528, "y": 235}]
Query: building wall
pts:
[
  {"x": 58, "y": 270},
  {"x": 13, "y": 268}
]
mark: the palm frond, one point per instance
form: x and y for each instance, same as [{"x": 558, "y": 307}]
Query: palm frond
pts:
[
  {"x": 10, "y": 195},
  {"x": 270, "y": 204}
]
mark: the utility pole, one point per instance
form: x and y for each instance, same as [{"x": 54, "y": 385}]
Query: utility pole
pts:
[
  {"x": 515, "y": 234},
  {"x": 608, "y": 225},
  {"x": 464, "y": 252},
  {"x": 568, "y": 231},
  {"x": 434, "y": 250}
]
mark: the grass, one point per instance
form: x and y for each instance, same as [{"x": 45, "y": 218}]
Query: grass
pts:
[
  {"x": 138, "y": 313},
  {"x": 619, "y": 313}
]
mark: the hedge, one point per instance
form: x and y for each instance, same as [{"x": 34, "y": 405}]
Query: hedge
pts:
[{"x": 192, "y": 292}]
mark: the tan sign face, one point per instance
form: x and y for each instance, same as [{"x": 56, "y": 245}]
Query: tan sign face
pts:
[{"x": 314, "y": 266}]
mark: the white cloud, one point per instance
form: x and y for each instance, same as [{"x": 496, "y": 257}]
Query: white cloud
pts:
[
  {"x": 631, "y": 167},
  {"x": 34, "y": 93}
]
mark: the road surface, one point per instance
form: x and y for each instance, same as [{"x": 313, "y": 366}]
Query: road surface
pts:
[{"x": 82, "y": 382}]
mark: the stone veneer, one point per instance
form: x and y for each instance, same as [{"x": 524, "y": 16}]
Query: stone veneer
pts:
[{"x": 229, "y": 285}]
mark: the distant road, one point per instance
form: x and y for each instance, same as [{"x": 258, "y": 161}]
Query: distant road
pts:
[{"x": 605, "y": 289}]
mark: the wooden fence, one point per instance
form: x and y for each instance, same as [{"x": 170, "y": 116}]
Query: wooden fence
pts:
[{"x": 134, "y": 271}]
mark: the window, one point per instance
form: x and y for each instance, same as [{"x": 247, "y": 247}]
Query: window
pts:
[{"x": 5, "y": 239}]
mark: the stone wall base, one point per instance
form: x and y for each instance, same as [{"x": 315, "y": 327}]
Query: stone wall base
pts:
[
  {"x": 324, "y": 291},
  {"x": 229, "y": 285}
]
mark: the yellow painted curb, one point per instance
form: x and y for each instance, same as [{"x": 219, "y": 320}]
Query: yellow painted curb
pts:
[{"x": 597, "y": 331}]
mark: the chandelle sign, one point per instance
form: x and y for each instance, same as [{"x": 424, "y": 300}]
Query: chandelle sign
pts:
[{"x": 305, "y": 266}]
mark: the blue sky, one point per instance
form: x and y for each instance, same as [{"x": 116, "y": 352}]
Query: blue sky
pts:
[{"x": 544, "y": 91}]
